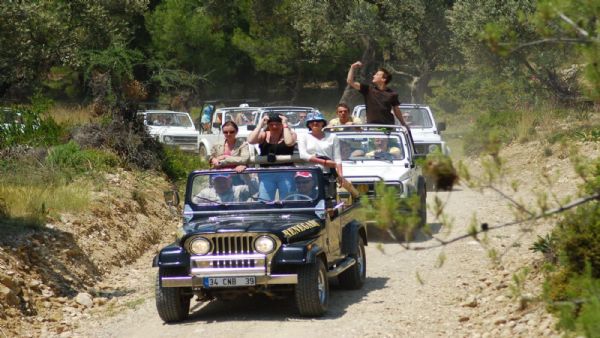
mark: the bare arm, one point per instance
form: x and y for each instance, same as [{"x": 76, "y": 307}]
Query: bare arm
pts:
[
  {"x": 257, "y": 135},
  {"x": 289, "y": 137},
  {"x": 350, "y": 77}
]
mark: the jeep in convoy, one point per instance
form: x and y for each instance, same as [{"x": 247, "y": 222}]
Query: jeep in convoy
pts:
[
  {"x": 424, "y": 130},
  {"x": 171, "y": 128},
  {"x": 234, "y": 242},
  {"x": 244, "y": 117},
  {"x": 381, "y": 153}
]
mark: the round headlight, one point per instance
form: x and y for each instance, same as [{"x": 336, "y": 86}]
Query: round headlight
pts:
[
  {"x": 433, "y": 148},
  {"x": 199, "y": 246},
  {"x": 168, "y": 139},
  {"x": 264, "y": 244}
]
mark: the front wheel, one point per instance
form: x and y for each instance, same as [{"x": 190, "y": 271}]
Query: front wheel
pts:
[
  {"x": 172, "y": 305},
  {"x": 312, "y": 290},
  {"x": 354, "y": 277}
]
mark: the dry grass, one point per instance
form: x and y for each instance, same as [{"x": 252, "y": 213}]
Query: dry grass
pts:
[
  {"x": 72, "y": 114},
  {"x": 23, "y": 201}
]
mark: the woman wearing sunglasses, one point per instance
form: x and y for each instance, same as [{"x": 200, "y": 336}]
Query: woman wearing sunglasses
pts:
[{"x": 233, "y": 153}]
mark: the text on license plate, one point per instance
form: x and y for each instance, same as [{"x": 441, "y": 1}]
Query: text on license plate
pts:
[{"x": 225, "y": 282}]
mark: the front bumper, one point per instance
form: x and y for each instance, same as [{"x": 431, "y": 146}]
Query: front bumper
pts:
[{"x": 197, "y": 282}]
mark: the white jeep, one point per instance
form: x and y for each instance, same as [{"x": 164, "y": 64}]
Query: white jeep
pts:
[
  {"x": 424, "y": 130},
  {"x": 244, "y": 117},
  {"x": 171, "y": 128},
  {"x": 381, "y": 153}
]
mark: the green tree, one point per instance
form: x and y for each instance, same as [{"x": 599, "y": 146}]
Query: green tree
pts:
[
  {"x": 477, "y": 25},
  {"x": 39, "y": 35}
]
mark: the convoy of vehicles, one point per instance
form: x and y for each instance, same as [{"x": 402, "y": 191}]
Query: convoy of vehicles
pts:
[{"x": 233, "y": 242}]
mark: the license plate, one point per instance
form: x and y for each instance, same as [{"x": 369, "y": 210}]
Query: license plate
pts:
[{"x": 228, "y": 282}]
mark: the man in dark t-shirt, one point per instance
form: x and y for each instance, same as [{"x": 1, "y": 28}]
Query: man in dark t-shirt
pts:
[{"x": 380, "y": 100}]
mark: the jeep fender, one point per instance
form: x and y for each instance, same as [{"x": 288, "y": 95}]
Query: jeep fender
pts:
[
  {"x": 350, "y": 236},
  {"x": 172, "y": 256},
  {"x": 298, "y": 255}
]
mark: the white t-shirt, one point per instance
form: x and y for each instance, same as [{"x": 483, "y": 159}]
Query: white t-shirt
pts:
[{"x": 329, "y": 146}]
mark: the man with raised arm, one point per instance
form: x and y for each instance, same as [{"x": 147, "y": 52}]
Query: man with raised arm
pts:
[{"x": 379, "y": 99}]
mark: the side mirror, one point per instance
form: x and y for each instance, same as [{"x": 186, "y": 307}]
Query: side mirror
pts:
[
  {"x": 251, "y": 127},
  {"x": 171, "y": 197},
  {"x": 441, "y": 126}
]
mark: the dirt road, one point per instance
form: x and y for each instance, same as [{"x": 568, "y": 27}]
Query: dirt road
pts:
[{"x": 405, "y": 293}]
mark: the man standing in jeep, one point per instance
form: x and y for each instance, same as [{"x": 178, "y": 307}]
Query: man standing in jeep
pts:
[{"x": 379, "y": 99}]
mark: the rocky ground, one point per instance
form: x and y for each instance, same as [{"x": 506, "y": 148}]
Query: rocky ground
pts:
[{"x": 90, "y": 276}]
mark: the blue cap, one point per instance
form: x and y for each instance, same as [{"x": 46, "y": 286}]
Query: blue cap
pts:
[{"x": 315, "y": 116}]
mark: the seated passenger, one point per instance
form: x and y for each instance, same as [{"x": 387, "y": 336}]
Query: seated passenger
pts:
[
  {"x": 223, "y": 190},
  {"x": 383, "y": 151},
  {"x": 350, "y": 148},
  {"x": 305, "y": 186}
]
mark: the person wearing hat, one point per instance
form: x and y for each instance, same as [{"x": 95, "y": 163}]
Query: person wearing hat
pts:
[
  {"x": 222, "y": 190},
  {"x": 207, "y": 116},
  {"x": 305, "y": 186},
  {"x": 319, "y": 147},
  {"x": 276, "y": 139}
]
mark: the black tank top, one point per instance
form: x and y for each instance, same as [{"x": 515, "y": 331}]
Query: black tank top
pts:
[{"x": 277, "y": 149}]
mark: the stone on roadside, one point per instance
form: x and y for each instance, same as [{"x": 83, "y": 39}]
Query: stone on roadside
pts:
[
  {"x": 471, "y": 301},
  {"x": 84, "y": 299}
]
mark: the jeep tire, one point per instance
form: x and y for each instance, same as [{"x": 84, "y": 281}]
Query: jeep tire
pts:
[
  {"x": 172, "y": 305},
  {"x": 312, "y": 290},
  {"x": 354, "y": 277}
]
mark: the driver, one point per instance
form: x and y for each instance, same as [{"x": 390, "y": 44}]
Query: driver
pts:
[
  {"x": 382, "y": 150},
  {"x": 223, "y": 190},
  {"x": 305, "y": 185}
]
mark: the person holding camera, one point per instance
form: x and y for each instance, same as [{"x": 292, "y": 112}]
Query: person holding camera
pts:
[{"x": 276, "y": 139}]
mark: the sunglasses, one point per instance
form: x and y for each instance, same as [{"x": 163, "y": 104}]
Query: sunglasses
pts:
[
  {"x": 342, "y": 111},
  {"x": 303, "y": 181},
  {"x": 228, "y": 132}
]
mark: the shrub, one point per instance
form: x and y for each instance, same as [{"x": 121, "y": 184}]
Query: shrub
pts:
[
  {"x": 30, "y": 128},
  {"x": 177, "y": 164},
  {"x": 70, "y": 157}
]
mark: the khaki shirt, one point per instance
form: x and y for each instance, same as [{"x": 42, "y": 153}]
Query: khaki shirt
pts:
[{"x": 239, "y": 155}]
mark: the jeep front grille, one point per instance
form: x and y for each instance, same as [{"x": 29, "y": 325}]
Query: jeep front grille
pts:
[
  {"x": 228, "y": 245},
  {"x": 185, "y": 139}
]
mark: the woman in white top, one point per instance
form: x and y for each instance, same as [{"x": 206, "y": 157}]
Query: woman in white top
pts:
[{"x": 318, "y": 144}]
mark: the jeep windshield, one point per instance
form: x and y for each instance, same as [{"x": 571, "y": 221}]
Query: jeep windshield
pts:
[
  {"x": 371, "y": 147},
  {"x": 417, "y": 117},
  {"x": 169, "y": 120},
  {"x": 256, "y": 188}
]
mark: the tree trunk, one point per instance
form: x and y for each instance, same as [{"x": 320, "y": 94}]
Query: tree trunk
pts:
[
  {"x": 367, "y": 59},
  {"x": 420, "y": 87}
]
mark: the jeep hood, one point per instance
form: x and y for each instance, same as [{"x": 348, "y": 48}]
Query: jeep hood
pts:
[
  {"x": 367, "y": 171},
  {"x": 275, "y": 223},
  {"x": 167, "y": 130},
  {"x": 425, "y": 135}
]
